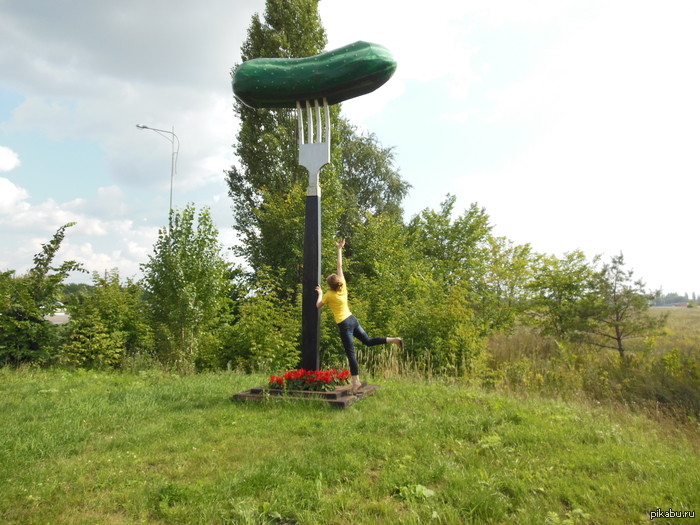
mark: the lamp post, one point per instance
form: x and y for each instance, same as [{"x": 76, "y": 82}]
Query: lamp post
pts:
[{"x": 173, "y": 153}]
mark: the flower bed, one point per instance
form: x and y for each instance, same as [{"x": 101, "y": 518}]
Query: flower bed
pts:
[{"x": 312, "y": 380}]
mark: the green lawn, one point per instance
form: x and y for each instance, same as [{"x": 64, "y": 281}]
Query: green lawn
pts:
[{"x": 89, "y": 447}]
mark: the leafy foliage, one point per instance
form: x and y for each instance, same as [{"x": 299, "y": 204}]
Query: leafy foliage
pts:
[
  {"x": 442, "y": 283},
  {"x": 186, "y": 286},
  {"x": 266, "y": 333},
  {"x": 107, "y": 324},
  {"x": 25, "y": 336},
  {"x": 267, "y": 187},
  {"x": 604, "y": 306},
  {"x": 621, "y": 308},
  {"x": 558, "y": 288}
]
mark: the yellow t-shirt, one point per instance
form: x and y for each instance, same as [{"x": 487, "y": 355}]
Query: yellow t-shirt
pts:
[{"x": 338, "y": 303}]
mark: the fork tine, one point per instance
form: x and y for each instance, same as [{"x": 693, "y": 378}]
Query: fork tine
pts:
[
  {"x": 300, "y": 123},
  {"x": 319, "y": 128},
  {"x": 309, "y": 123}
]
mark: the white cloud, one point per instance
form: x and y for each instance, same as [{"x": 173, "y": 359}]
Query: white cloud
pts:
[
  {"x": 603, "y": 70},
  {"x": 109, "y": 203},
  {"x": 12, "y": 197},
  {"x": 99, "y": 243},
  {"x": 434, "y": 45},
  {"x": 9, "y": 160},
  {"x": 90, "y": 74},
  {"x": 43, "y": 217},
  {"x": 358, "y": 110},
  {"x": 611, "y": 162},
  {"x": 426, "y": 44},
  {"x": 463, "y": 116},
  {"x": 96, "y": 260},
  {"x": 83, "y": 78},
  {"x": 607, "y": 101}
]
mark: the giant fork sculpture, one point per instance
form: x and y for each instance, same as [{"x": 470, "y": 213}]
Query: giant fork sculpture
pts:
[
  {"x": 312, "y": 83},
  {"x": 314, "y": 153}
]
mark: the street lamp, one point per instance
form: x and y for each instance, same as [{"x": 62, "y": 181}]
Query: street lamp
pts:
[{"x": 173, "y": 155}]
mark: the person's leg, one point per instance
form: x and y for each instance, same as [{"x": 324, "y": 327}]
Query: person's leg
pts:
[
  {"x": 346, "y": 328},
  {"x": 373, "y": 341},
  {"x": 367, "y": 340}
]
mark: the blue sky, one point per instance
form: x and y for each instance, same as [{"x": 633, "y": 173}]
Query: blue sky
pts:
[{"x": 574, "y": 124}]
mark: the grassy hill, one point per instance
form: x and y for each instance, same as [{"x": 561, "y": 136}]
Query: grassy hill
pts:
[{"x": 93, "y": 448}]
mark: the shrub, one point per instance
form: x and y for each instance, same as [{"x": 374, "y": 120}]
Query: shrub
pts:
[
  {"x": 107, "y": 325},
  {"x": 267, "y": 333}
]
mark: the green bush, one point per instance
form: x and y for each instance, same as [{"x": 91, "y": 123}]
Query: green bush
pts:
[
  {"x": 267, "y": 332},
  {"x": 25, "y": 335},
  {"x": 107, "y": 325},
  {"x": 653, "y": 375}
]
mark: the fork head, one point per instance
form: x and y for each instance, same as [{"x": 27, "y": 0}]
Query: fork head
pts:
[{"x": 315, "y": 145}]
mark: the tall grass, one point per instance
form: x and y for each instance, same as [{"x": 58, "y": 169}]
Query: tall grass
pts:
[
  {"x": 156, "y": 448},
  {"x": 682, "y": 330},
  {"x": 661, "y": 373},
  {"x": 391, "y": 362}
]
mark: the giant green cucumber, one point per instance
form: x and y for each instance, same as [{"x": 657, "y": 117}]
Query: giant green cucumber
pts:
[{"x": 341, "y": 74}]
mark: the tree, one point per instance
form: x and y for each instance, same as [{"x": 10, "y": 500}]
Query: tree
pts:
[
  {"x": 267, "y": 186},
  {"x": 396, "y": 291},
  {"x": 186, "y": 286},
  {"x": 619, "y": 310},
  {"x": 502, "y": 289},
  {"x": 604, "y": 307},
  {"x": 558, "y": 288},
  {"x": 489, "y": 272},
  {"x": 442, "y": 283},
  {"x": 107, "y": 324},
  {"x": 266, "y": 331},
  {"x": 371, "y": 184},
  {"x": 25, "y": 336},
  {"x": 457, "y": 248},
  {"x": 670, "y": 299}
]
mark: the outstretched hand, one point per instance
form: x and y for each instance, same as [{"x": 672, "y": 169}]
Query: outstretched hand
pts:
[
  {"x": 318, "y": 289},
  {"x": 340, "y": 243}
]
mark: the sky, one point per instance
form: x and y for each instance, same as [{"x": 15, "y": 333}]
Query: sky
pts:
[{"x": 575, "y": 125}]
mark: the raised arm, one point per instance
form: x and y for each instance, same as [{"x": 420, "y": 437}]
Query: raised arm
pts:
[{"x": 340, "y": 244}]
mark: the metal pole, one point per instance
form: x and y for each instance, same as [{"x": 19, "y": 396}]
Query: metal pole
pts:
[
  {"x": 172, "y": 168},
  {"x": 173, "y": 155},
  {"x": 310, "y": 315}
]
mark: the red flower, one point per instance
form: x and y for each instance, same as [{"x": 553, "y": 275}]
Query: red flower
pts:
[{"x": 310, "y": 379}]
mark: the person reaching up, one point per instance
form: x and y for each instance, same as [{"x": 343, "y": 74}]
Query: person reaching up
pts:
[{"x": 349, "y": 327}]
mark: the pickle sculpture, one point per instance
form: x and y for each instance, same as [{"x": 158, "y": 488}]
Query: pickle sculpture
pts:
[{"x": 341, "y": 74}]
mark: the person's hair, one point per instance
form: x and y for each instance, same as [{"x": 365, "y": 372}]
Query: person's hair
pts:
[{"x": 334, "y": 282}]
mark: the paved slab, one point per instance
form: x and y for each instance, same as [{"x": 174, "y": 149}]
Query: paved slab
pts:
[{"x": 341, "y": 397}]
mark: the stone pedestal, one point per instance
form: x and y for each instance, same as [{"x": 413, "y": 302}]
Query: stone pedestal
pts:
[{"x": 341, "y": 397}]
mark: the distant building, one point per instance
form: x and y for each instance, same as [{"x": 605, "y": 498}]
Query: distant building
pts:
[{"x": 59, "y": 317}]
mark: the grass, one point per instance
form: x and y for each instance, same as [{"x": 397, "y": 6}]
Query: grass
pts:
[
  {"x": 93, "y": 448},
  {"x": 682, "y": 329},
  {"x": 661, "y": 373}
]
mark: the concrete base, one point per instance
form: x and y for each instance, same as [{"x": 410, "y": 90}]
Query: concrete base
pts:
[{"x": 341, "y": 397}]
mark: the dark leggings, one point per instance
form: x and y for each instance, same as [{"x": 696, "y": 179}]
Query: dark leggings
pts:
[{"x": 351, "y": 327}]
